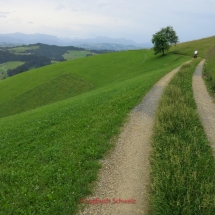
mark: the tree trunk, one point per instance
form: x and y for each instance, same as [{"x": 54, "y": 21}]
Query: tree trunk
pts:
[{"x": 163, "y": 52}]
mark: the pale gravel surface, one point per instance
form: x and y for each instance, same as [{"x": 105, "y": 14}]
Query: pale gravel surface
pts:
[
  {"x": 205, "y": 105},
  {"x": 125, "y": 172}
]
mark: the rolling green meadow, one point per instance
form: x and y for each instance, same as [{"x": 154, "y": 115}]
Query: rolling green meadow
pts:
[
  {"x": 63, "y": 80},
  {"x": 70, "y": 55},
  {"x": 58, "y": 121},
  {"x": 21, "y": 49},
  {"x": 49, "y": 155}
]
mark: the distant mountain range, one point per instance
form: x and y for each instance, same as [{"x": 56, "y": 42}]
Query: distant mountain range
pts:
[{"x": 97, "y": 43}]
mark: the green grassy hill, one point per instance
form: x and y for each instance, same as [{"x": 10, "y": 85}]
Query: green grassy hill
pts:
[
  {"x": 188, "y": 48},
  {"x": 71, "y": 55},
  {"x": 60, "y": 81},
  {"x": 22, "y": 49},
  {"x": 206, "y": 48},
  {"x": 66, "y": 118}
]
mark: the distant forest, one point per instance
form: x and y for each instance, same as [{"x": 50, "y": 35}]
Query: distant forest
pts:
[
  {"x": 35, "y": 58},
  {"x": 32, "y": 61},
  {"x": 52, "y": 51}
]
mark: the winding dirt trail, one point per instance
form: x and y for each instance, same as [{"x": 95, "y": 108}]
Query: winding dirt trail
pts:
[
  {"x": 125, "y": 172},
  {"x": 205, "y": 105}
]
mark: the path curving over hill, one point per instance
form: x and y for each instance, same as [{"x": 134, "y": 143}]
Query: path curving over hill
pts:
[
  {"x": 125, "y": 172},
  {"x": 205, "y": 105}
]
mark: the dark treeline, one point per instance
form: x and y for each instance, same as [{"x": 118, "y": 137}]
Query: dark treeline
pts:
[
  {"x": 101, "y": 51},
  {"x": 41, "y": 56},
  {"x": 33, "y": 61},
  {"x": 7, "y": 56},
  {"x": 52, "y": 51},
  {"x": 35, "y": 58}
]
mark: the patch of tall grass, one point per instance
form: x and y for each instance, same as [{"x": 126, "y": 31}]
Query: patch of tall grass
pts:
[
  {"x": 183, "y": 167},
  {"x": 209, "y": 70}
]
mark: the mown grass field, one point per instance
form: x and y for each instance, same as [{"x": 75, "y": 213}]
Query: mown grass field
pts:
[
  {"x": 8, "y": 65},
  {"x": 183, "y": 167},
  {"x": 42, "y": 86},
  {"x": 71, "y": 55},
  {"x": 21, "y": 49},
  {"x": 49, "y": 156}
]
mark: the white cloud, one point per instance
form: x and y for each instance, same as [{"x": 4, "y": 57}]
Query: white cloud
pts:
[
  {"x": 137, "y": 19},
  {"x": 60, "y": 7},
  {"x": 4, "y": 14}
]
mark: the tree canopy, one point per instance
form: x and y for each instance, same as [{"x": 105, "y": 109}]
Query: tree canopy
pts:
[{"x": 163, "y": 39}]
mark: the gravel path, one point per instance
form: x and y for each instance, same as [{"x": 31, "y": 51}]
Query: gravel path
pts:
[
  {"x": 205, "y": 105},
  {"x": 123, "y": 184}
]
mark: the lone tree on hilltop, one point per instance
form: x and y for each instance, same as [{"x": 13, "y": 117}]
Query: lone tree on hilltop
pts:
[{"x": 163, "y": 39}]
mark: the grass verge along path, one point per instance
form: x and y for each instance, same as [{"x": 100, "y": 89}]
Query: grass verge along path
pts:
[
  {"x": 209, "y": 71},
  {"x": 205, "y": 105},
  {"x": 183, "y": 167}
]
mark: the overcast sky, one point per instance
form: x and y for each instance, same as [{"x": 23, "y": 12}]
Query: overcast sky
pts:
[{"x": 131, "y": 19}]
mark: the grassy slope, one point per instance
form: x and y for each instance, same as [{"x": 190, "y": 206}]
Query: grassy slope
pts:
[
  {"x": 71, "y": 55},
  {"x": 92, "y": 73},
  {"x": 49, "y": 156},
  {"x": 188, "y": 48},
  {"x": 59, "y": 88},
  {"x": 183, "y": 167},
  {"x": 206, "y": 50}
]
